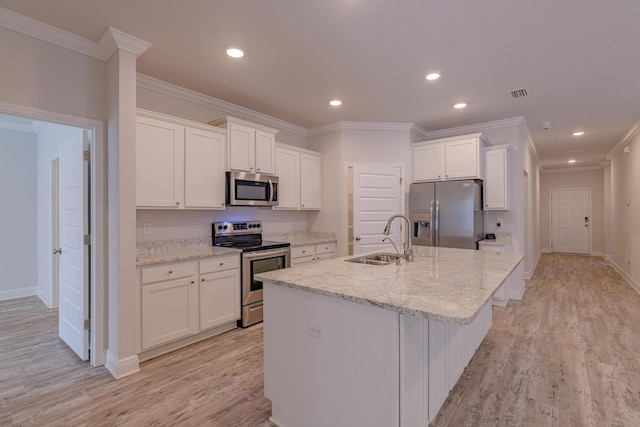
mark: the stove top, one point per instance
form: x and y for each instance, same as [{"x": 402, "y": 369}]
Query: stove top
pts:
[{"x": 243, "y": 235}]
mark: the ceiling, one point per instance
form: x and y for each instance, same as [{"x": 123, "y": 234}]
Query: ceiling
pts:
[{"x": 577, "y": 60}]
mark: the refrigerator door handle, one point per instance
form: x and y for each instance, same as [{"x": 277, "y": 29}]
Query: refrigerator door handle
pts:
[
  {"x": 437, "y": 228},
  {"x": 432, "y": 231}
]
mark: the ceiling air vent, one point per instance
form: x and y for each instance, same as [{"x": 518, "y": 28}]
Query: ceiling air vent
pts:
[{"x": 519, "y": 93}]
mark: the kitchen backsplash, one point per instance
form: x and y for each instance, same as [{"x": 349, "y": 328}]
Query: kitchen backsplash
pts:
[{"x": 188, "y": 224}]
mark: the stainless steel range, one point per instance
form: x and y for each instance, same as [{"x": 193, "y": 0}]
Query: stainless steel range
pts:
[{"x": 257, "y": 256}]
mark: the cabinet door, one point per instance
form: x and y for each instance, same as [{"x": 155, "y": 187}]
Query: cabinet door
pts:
[
  {"x": 241, "y": 147},
  {"x": 169, "y": 311},
  {"x": 310, "y": 181},
  {"x": 204, "y": 169},
  {"x": 288, "y": 172},
  {"x": 219, "y": 298},
  {"x": 495, "y": 180},
  {"x": 265, "y": 152},
  {"x": 159, "y": 163},
  {"x": 462, "y": 159},
  {"x": 428, "y": 162},
  {"x": 455, "y": 358}
]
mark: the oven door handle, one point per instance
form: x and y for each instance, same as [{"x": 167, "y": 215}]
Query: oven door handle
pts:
[{"x": 267, "y": 254}]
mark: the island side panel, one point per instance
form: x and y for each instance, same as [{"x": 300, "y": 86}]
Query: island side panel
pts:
[{"x": 329, "y": 362}]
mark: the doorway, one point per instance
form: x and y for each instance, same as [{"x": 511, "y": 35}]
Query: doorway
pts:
[
  {"x": 375, "y": 193},
  {"x": 571, "y": 220},
  {"x": 96, "y": 301}
]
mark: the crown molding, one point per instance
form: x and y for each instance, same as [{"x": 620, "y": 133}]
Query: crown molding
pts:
[
  {"x": 633, "y": 131},
  {"x": 478, "y": 127},
  {"x": 235, "y": 110},
  {"x": 40, "y": 30},
  {"x": 412, "y": 128},
  {"x": 570, "y": 169},
  {"x": 113, "y": 39}
]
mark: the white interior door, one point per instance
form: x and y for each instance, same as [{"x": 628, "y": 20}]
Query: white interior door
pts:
[
  {"x": 377, "y": 194},
  {"x": 570, "y": 221},
  {"x": 73, "y": 217}
]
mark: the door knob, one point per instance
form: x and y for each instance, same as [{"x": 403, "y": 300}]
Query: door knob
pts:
[
  {"x": 57, "y": 251},
  {"x": 358, "y": 238}
]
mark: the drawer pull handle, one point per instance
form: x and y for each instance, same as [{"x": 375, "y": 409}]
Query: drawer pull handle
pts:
[
  {"x": 304, "y": 251},
  {"x": 202, "y": 280},
  {"x": 221, "y": 264},
  {"x": 170, "y": 271},
  {"x": 192, "y": 282}
]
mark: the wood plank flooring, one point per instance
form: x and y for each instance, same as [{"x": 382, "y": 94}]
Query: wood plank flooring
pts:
[{"x": 568, "y": 354}]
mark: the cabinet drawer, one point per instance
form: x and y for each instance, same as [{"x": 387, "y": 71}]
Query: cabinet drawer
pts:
[
  {"x": 325, "y": 248},
  {"x": 302, "y": 251},
  {"x": 327, "y": 255},
  {"x": 213, "y": 265},
  {"x": 301, "y": 260},
  {"x": 169, "y": 271}
]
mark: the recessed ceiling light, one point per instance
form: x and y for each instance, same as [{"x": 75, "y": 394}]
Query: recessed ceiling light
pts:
[
  {"x": 460, "y": 105},
  {"x": 433, "y": 76},
  {"x": 235, "y": 53},
  {"x": 335, "y": 102},
  {"x": 571, "y": 161},
  {"x": 579, "y": 133}
]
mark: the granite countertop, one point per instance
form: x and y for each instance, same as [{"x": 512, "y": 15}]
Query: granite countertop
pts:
[
  {"x": 444, "y": 284},
  {"x": 302, "y": 238},
  {"x": 503, "y": 240},
  {"x": 163, "y": 251}
]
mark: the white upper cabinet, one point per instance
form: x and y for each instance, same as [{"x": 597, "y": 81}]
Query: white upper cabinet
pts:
[
  {"x": 288, "y": 172},
  {"x": 159, "y": 163},
  {"x": 300, "y": 178},
  {"x": 496, "y": 178},
  {"x": 310, "y": 181},
  {"x": 448, "y": 158},
  {"x": 251, "y": 146},
  {"x": 179, "y": 164},
  {"x": 204, "y": 178}
]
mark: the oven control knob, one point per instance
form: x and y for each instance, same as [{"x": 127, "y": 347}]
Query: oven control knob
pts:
[
  {"x": 225, "y": 227},
  {"x": 219, "y": 227}
]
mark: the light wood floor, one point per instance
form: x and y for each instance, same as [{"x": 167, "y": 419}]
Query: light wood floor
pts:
[{"x": 568, "y": 354}]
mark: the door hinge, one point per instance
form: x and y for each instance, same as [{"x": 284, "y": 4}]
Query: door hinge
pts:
[
  {"x": 87, "y": 155},
  {"x": 87, "y": 239},
  {"x": 401, "y": 179},
  {"x": 87, "y": 324}
]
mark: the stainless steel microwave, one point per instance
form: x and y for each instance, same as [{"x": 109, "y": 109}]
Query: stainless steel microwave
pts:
[{"x": 250, "y": 189}]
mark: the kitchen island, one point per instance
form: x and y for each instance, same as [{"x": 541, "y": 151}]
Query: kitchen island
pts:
[{"x": 350, "y": 344}]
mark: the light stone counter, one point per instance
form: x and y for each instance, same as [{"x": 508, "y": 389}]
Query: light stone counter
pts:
[
  {"x": 503, "y": 240},
  {"x": 302, "y": 238},
  {"x": 444, "y": 284},
  {"x": 163, "y": 251}
]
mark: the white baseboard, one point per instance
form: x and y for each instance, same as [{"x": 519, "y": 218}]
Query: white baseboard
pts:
[
  {"x": 121, "y": 368},
  {"x": 45, "y": 298},
  {"x": 607, "y": 258},
  {"x": 545, "y": 250},
  {"x": 529, "y": 274},
  {"x": 17, "y": 293},
  {"x": 626, "y": 276},
  {"x": 597, "y": 253}
]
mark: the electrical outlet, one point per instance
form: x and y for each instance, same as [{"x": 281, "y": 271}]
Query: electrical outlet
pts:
[
  {"x": 146, "y": 228},
  {"x": 499, "y": 222},
  {"x": 315, "y": 330},
  {"x": 196, "y": 226}
]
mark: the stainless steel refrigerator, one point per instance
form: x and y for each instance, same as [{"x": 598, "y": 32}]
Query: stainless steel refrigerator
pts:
[{"x": 447, "y": 213}]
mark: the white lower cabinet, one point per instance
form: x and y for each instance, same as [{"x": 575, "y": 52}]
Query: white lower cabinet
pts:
[
  {"x": 169, "y": 306},
  {"x": 180, "y": 300},
  {"x": 501, "y": 297},
  {"x": 301, "y": 255},
  {"x": 220, "y": 294}
]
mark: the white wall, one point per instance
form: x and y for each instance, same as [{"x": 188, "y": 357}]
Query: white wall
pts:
[
  {"x": 49, "y": 139},
  {"x": 18, "y": 214},
  {"x": 625, "y": 228}
]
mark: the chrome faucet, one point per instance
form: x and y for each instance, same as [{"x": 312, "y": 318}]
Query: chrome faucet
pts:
[{"x": 406, "y": 245}]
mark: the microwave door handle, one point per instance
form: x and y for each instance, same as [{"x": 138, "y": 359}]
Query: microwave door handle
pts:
[{"x": 270, "y": 191}]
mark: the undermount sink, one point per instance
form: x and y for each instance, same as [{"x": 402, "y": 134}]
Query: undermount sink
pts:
[{"x": 375, "y": 259}]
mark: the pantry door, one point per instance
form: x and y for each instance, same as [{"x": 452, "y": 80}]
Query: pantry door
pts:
[
  {"x": 571, "y": 221},
  {"x": 74, "y": 253},
  {"x": 378, "y": 193}
]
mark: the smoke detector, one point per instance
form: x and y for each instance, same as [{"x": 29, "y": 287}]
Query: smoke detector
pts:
[{"x": 546, "y": 125}]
